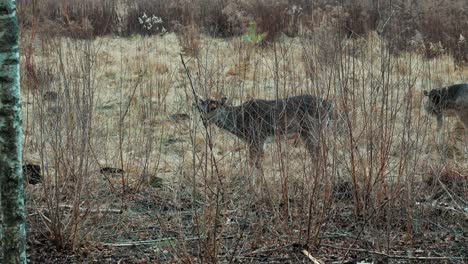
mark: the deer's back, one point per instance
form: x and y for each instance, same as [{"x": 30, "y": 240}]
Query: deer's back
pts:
[
  {"x": 455, "y": 96},
  {"x": 263, "y": 118}
]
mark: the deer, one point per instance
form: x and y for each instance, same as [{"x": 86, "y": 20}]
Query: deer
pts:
[
  {"x": 447, "y": 101},
  {"x": 258, "y": 121}
]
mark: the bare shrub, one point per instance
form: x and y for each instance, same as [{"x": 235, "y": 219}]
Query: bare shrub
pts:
[
  {"x": 80, "y": 19},
  {"x": 214, "y": 19},
  {"x": 442, "y": 30},
  {"x": 135, "y": 11},
  {"x": 91, "y": 142},
  {"x": 129, "y": 169},
  {"x": 65, "y": 146},
  {"x": 236, "y": 18},
  {"x": 172, "y": 13},
  {"x": 397, "y": 21},
  {"x": 360, "y": 18},
  {"x": 189, "y": 39},
  {"x": 270, "y": 16}
]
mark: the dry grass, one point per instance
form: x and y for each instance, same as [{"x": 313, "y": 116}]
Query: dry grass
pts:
[
  {"x": 406, "y": 25},
  {"x": 126, "y": 103}
]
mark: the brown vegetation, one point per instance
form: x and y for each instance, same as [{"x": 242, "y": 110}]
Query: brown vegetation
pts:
[
  {"x": 435, "y": 27},
  {"x": 130, "y": 174}
]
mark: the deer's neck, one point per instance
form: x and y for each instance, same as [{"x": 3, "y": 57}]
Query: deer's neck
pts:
[{"x": 226, "y": 119}]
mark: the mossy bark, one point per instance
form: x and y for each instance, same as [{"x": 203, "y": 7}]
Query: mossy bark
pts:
[{"x": 12, "y": 219}]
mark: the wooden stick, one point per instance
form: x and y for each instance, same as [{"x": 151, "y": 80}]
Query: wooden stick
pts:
[
  {"x": 192, "y": 85},
  {"x": 146, "y": 242},
  {"x": 393, "y": 256},
  {"x": 142, "y": 242},
  {"x": 312, "y": 258},
  {"x": 104, "y": 210}
]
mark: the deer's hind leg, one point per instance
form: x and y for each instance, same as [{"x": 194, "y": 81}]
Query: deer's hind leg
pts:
[
  {"x": 312, "y": 143},
  {"x": 464, "y": 118},
  {"x": 255, "y": 159},
  {"x": 440, "y": 134},
  {"x": 310, "y": 134},
  {"x": 256, "y": 155}
]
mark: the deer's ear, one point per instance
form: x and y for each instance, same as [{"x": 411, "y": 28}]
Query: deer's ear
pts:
[
  {"x": 198, "y": 98},
  {"x": 223, "y": 100},
  {"x": 426, "y": 93},
  {"x": 198, "y": 102}
]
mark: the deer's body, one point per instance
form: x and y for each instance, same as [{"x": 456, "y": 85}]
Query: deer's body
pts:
[
  {"x": 256, "y": 121},
  {"x": 446, "y": 101}
]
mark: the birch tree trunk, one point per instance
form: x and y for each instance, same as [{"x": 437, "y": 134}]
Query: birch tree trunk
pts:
[{"x": 12, "y": 219}]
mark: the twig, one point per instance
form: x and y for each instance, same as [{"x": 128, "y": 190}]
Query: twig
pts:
[
  {"x": 367, "y": 219},
  {"x": 263, "y": 259},
  {"x": 142, "y": 242},
  {"x": 192, "y": 85},
  {"x": 205, "y": 124},
  {"x": 44, "y": 217},
  {"x": 131, "y": 98},
  {"x": 393, "y": 256},
  {"x": 146, "y": 242},
  {"x": 312, "y": 258},
  {"x": 267, "y": 248},
  {"x": 451, "y": 209},
  {"x": 236, "y": 247},
  {"x": 105, "y": 210},
  {"x": 451, "y": 197}
]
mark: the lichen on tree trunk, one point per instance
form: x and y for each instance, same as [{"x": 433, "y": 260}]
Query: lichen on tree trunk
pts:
[{"x": 12, "y": 219}]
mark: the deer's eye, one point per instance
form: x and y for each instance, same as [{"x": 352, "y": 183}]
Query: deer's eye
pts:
[
  {"x": 436, "y": 98},
  {"x": 213, "y": 107}
]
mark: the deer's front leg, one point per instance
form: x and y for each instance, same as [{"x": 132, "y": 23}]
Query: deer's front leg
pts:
[
  {"x": 464, "y": 118},
  {"x": 256, "y": 155},
  {"x": 255, "y": 160},
  {"x": 312, "y": 144},
  {"x": 439, "y": 139},
  {"x": 440, "y": 120}
]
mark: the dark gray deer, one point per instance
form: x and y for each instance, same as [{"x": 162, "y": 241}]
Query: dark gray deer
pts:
[
  {"x": 257, "y": 120},
  {"x": 446, "y": 101}
]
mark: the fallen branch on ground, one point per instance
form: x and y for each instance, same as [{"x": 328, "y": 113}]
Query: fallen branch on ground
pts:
[
  {"x": 312, "y": 258},
  {"x": 148, "y": 242},
  {"x": 393, "y": 256},
  {"x": 104, "y": 210}
]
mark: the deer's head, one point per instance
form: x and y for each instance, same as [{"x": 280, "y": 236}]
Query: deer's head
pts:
[
  {"x": 210, "y": 108},
  {"x": 432, "y": 101}
]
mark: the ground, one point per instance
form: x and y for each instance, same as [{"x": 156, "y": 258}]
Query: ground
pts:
[{"x": 130, "y": 175}]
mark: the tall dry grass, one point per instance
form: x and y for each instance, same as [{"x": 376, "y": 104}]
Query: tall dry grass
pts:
[
  {"x": 125, "y": 103},
  {"x": 440, "y": 26}
]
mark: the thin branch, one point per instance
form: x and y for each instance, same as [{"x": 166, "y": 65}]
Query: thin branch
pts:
[
  {"x": 451, "y": 197},
  {"x": 132, "y": 95},
  {"x": 192, "y": 85},
  {"x": 148, "y": 242},
  {"x": 137, "y": 243},
  {"x": 81, "y": 209},
  {"x": 393, "y": 256},
  {"x": 312, "y": 258}
]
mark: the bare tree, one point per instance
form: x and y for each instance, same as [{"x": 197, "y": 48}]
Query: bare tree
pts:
[{"x": 12, "y": 219}]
